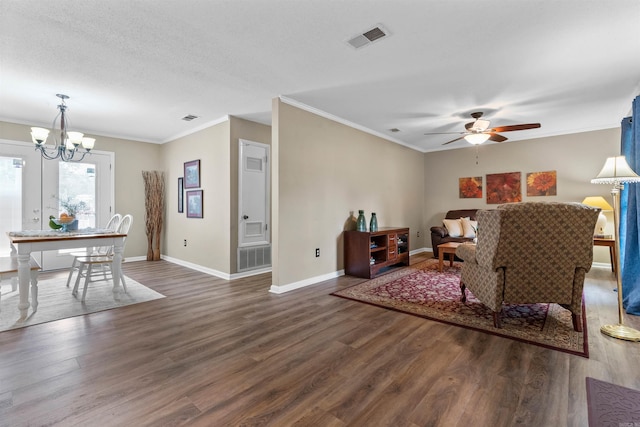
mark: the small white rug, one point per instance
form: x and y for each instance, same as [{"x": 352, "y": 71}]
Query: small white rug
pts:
[{"x": 56, "y": 302}]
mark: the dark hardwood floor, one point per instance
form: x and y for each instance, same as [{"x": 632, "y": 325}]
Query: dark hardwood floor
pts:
[{"x": 220, "y": 353}]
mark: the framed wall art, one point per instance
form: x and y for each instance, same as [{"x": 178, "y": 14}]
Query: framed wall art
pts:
[
  {"x": 194, "y": 204},
  {"x": 470, "y": 188},
  {"x": 541, "y": 184},
  {"x": 192, "y": 174},
  {"x": 504, "y": 188},
  {"x": 180, "y": 195}
]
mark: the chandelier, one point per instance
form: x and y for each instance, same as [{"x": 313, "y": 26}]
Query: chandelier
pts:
[{"x": 67, "y": 148}]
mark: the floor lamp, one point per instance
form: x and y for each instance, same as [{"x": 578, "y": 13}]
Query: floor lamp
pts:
[{"x": 616, "y": 171}]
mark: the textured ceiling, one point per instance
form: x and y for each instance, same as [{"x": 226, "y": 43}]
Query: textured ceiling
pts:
[{"x": 134, "y": 68}]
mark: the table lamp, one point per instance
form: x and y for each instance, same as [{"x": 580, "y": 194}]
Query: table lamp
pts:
[
  {"x": 616, "y": 171},
  {"x": 598, "y": 202}
]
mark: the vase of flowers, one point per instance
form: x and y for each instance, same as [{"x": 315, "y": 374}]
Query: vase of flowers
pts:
[{"x": 72, "y": 208}]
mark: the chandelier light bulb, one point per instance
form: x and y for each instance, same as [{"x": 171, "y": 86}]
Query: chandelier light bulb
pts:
[
  {"x": 39, "y": 135},
  {"x": 88, "y": 143}
]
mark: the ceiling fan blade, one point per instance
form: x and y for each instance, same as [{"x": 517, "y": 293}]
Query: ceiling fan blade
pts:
[
  {"x": 453, "y": 140},
  {"x": 515, "y": 127},
  {"x": 497, "y": 138}
]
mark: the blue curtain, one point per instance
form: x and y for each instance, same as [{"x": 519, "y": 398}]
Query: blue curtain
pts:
[{"x": 629, "y": 218}]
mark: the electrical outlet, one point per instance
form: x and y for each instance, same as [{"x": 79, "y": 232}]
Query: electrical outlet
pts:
[
  {"x": 317, "y": 252},
  {"x": 418, "y": 234},
  {"x": 185, "y": 242}
]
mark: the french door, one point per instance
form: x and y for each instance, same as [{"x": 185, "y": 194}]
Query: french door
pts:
[{"x": 31, "y": 190}]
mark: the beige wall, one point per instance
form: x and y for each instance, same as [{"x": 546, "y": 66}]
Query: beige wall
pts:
[
  {"x": 326, "y": 171},
  {"x": 207, "y": 238},
  {"x": 131, "y": 158},
  {"x": 212, "y": 241},
  {"x": 576, "y": 158}
]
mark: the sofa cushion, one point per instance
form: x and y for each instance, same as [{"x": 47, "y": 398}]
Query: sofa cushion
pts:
[
  {"x": 454, "y": 227},
  {"x": 469, "y": 227}
]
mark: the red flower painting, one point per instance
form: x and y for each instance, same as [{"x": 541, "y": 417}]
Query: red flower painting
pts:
[
  {"x": 504, "y": 188},
  {"x": 470, "y": 188},
  {"x": 541, "y": 183}
]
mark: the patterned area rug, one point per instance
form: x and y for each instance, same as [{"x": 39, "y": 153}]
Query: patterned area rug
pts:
[
  {"x": 55, "y": 301},
  {"x": 611, "y": 405},
  {"x": 422, "y": 291}
]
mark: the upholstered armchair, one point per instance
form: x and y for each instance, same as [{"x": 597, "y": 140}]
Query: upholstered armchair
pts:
[{"x": 532, "y": 252}]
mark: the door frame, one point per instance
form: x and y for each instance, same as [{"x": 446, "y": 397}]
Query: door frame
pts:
[
  {"x": 43, "y": 201},
  {"x": 267, "y": 218}
]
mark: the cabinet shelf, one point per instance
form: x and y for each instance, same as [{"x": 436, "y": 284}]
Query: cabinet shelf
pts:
[{"x": 391, "y": 251}]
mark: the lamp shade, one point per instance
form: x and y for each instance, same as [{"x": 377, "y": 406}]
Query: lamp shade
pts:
[
  {"x": 476, "y": 138},
  {"x": 601, "y": 203},
  {"x": 597, "y": 202},
  {"x": 616, "y": 171}
]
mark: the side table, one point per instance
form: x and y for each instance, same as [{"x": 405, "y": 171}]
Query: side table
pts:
[
  {"x": 611, "y": 244},
  {"x": 446, "y": 248}
]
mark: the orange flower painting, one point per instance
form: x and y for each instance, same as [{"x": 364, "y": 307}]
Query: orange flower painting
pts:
[
  {"x": 504, "y": 188},
  {"x": 541, "y": 183},
  {"x": 470, "y": 188}
]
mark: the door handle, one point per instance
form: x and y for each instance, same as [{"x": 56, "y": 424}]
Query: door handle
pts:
[
  {"x": 245, "y": 216},
  {"x": 36, "y": 219}
]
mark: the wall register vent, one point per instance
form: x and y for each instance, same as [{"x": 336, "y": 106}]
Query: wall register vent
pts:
[
  {"x": 253, "y": 257},
  {"x": 368, "y": 37}
]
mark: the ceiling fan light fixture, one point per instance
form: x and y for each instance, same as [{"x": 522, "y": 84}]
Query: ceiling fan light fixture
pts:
[{"x": 476, "y": 138}]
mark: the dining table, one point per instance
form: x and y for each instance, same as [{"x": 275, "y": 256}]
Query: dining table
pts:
[{"x": 25, "y": 242}]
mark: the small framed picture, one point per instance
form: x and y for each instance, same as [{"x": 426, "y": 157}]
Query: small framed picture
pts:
[
  {"x": 192, "y": 174},
  {"x": 180, "y": 194},
  {"x": 194, "y": 204}
]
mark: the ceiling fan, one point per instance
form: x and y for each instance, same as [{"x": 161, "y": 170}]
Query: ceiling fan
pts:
[{"x": 479, "y": 131}]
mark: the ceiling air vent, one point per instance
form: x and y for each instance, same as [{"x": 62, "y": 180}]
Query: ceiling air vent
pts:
[
  {"x": 368, "y": 37},
  {"x": 189, "y": 117}
]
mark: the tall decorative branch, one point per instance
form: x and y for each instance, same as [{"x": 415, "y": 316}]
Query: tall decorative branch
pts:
[{"x": 154, "y": 211}]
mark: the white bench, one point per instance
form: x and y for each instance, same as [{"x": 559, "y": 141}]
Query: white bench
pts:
[{"x": 9, "y": 268}]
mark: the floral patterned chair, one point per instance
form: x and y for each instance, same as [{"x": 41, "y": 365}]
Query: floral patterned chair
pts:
[{"x": 532, "y": 252}]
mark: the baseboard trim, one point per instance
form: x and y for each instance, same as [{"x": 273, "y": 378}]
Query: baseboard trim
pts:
[
  {"x": 197, "y": 267},
  {"x": 274, "y": 289},
  {"x": 306, "y": 282},
  {"x": 211, "y": 271},
  {"x": 419, "y": 251},
  {"x": 601, "y": 265},
  {"x": 250, "y": 273}
]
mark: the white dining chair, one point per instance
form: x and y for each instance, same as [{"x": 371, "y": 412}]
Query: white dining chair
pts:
[
  {"x": 112, "y": 225},
  {"x": 99, "y": 268}
]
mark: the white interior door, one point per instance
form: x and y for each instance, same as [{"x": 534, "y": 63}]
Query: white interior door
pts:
[
  {"x": 253, "y": 200},
  {"x": 33, "y": 192},
  {"x": 20, "y": 208}
]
